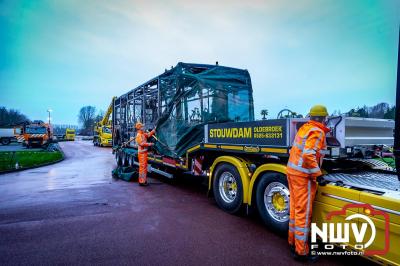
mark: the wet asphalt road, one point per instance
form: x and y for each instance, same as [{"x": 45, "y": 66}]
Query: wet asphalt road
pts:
[{"x": 73, "y": 212}]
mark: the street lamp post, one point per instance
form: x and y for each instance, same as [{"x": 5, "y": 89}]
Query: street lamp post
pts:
[{"x": 49, "y": 111}]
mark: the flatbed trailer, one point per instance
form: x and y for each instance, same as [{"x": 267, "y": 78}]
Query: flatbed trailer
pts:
[{"x": 245, "y": 160}]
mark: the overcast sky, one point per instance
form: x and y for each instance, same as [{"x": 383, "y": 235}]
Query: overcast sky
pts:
[{"x": 65, "y": 54}]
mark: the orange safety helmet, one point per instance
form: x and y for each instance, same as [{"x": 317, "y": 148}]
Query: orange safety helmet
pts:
[{"x": 138, "y": 126}]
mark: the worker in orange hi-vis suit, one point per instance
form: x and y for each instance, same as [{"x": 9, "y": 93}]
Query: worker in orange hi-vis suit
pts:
[
  {"x": 143, "y": 145},
  {"x": 303, "y": 172}
]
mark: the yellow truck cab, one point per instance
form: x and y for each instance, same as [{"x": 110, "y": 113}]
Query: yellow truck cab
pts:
[
  {"x": 102, "y": 136},
  {"x": 102, "y": 131},
  {"x": 70, "y": 134}
]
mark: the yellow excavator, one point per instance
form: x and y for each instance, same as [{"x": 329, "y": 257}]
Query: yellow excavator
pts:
[{"x": 102, "y": 132}]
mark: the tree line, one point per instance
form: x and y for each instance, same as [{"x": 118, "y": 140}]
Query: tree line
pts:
[
  {"x": 87, "y": 117},
  {"x": 11, "y": 117},
  {"x": 380, "y": 110}
]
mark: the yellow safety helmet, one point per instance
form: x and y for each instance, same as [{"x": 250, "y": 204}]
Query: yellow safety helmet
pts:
[
  {"x": 318, "y": 110},
  {"x": 138, "y": 125}
]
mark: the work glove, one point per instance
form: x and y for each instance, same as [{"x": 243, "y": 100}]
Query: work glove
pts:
[{"x": 321, "y": 181}]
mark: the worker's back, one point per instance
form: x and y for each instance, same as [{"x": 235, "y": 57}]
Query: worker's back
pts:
[{"x": 305, "y": 154}]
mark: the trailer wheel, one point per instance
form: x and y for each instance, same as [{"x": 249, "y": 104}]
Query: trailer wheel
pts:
[
  {"x": 128, "y": 160},
  {"x": 124, "y": 159},
  {"x": 118, "y": 158},
  {"x": 132, "y": 161},
  {"x": 5, "y": 141},
  {"x": 272, "y": 197},
  {"x": 228, "y": 188}
]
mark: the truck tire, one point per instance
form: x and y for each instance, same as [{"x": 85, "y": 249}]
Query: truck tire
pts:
[
  {"x": 5, "y": 141},
  {"x": 228, "y": 188},
  {"x": 272, "y": 198}
]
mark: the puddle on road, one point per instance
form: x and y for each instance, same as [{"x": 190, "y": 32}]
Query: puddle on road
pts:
[{"x": 38, "y": 172}]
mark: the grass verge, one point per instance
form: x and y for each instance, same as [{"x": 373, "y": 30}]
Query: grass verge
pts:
[{"x": 27, "y": 159}]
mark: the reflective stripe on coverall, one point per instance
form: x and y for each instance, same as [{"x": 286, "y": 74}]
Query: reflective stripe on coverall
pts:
[
  {"x": 141, "y": 140},
  {"x": 303, "y": 168}
]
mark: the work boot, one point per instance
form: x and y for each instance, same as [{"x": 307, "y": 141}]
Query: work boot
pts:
[
  {"x": 145, "y": 184},
  {"x": 312, "y": 258},
  {"x": 292, "y": 249},
  {"x": 294, "y": 254},
  {"x": 305, "y": 258}
]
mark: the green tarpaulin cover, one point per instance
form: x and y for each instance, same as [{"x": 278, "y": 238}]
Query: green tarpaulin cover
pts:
[{"x": 193, "y": 95}]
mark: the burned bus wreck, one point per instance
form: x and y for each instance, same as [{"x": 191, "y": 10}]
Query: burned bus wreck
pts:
[{"x": 181, "y": 101}]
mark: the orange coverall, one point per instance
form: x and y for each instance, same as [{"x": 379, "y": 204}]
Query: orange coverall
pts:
[
  {"x": 303, "y": 168},
  {"x": 141, "y": 140}
]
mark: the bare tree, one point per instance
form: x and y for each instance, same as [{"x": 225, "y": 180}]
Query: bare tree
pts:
[
  {"x": 86, "y": 117},
  {"x": 99, "y": 116}
]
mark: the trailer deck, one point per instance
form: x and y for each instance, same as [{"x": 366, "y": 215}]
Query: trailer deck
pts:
[{"x": 372, "y": 181}]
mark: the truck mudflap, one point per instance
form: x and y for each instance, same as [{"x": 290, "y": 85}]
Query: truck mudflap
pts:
[{"x": 373, "y": 181}]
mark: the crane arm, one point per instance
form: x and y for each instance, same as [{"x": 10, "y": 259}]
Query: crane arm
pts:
[{"x": 106, "y": 116}]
